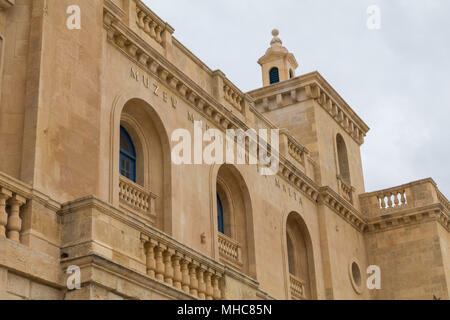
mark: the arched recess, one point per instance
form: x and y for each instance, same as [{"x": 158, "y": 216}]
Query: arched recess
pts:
[
  {"x": 230, "y": 187},
  {"x": 344, "y": 168},
  {"x": 299, "y": 259},
  {"x": 153, "y": 164}
]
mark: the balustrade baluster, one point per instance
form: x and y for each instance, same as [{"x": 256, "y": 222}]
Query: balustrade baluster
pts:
[
  {"x": 403, "y": 197},
  {"x": 390, "y": 200},
  {"x": 141, "y": 16},
  {"x": 396, "y": 201},
  {"x": 147, "y": 25},
  {"x": 152, "y": 29},
  {"x": 193, "y": 276},
  {"x": 4, "y": 196},
  {"x": 216, "y": 289},
  {"x": 177, "y": 275},
  {"x": 168, "y": 274},
  {"x": 150, "y": 258},
  {"x": 209, "y": 285},
  {"x": 185, "y": 279},
  {"x": 382, "y": 202},
  {"x": 160, "y": 267},
  {"x": 158, "y": 34},
  {"x": 14, "y": 224},
  {"x": 201, "y": 283}
]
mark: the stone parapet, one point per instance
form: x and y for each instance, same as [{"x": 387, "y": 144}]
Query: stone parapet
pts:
[
  {"x": 412, "y": 202},
  {"x": 96, "y": 230}
]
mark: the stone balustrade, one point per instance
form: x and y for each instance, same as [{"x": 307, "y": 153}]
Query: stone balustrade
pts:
[
  {"x": 297, "y": 287},
  {"x": 12, "y": 199},
  {"x": 345, "y": 190},
  {"x": 230, "y": 250},
  {"x": 412, "y": 195},
  {"x": 233, "y": 97},
  {"x": 151, "y": 23},
  {"x": 296, "y": 150},
  {"x": 136, "y": 198},
  {"x": 443, "y": 200},
  {"x": 228, "y": 94},
  {"x": 182, "y": 268}
]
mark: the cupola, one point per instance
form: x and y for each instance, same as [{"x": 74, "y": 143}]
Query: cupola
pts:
[{"x": 278, "y": 64}]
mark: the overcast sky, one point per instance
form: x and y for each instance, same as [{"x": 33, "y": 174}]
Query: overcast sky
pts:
[{"x": 397, "y": 78}]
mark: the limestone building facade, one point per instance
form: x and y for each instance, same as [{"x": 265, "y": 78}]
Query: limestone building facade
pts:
[{"x": 86, "y": 177}]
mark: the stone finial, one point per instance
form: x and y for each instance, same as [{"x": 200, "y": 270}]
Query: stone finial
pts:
[{"x": 276, "y": 40}]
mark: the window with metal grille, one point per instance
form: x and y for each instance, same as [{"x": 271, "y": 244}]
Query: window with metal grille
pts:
[
  {"x": 127, "y": 156},
  {"x": 274, "y": 75}
]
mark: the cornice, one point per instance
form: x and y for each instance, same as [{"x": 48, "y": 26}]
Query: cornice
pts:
[
  {"x": 192, "y": 56},
  {"x": 24, "y": 190},
  {"x": 435, "y": 212},
  {"x": 343, "y": 208},
  {"x": 318, "y": 89}
]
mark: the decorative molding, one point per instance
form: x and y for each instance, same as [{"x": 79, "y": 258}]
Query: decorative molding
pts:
[
  {"x": 114, "y": 9},
  {"x": 343, "y": 208},
  {"x": 318, "y": 89},
  {"x": 410, "y": 216}
]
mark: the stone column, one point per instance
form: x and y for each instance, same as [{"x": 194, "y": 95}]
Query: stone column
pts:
[{"x": 4, "y": 196}]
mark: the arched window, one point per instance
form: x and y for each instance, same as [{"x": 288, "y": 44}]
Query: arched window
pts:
[
  {"x": 127, "y": 156},
  {"x": 234, "y": 221},
  {"x": 274, "y": 75},
  {"x": 299, "y": 258},
  {"x": 291, "y": 74},
  {"x": 344, "y": 169},
  {"x": 220, "y": 221}
]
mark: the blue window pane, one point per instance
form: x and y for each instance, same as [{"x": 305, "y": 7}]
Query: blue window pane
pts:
[
  {"x": 127, "y": 156},
  {"x": 274, "y": 75},
  {"x": 220, "y": 215}
]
